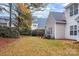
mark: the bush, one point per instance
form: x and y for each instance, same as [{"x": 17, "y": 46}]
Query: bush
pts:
[
  {"x": 38, "y": 32},
  {"x": 8, "y": 32},
  {"x": 25, "y": 32},
  {"x": 34, "y": 33},
  {"x": 48, "y": 37}
]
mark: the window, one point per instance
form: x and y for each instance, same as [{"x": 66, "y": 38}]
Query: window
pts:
[
  {"x": 75, "y": 30},
  {"x": 71, "y": 30},
  {"x": 71, "y": 11},
  {"x": 75, "y": 8},
  {"x": 50, "y": 31}
]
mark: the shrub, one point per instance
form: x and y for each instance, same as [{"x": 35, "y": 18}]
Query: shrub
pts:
[
  {"x": 34, "y": 33},
  {"x": 48, "y": 37},
  {"x": 8, "y": 32},
  {"x": 38, "y": 32},
  {"x": 25, "y": 32}
]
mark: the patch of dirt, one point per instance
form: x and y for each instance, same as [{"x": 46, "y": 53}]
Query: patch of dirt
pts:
[{"x": 5, "y": 41}]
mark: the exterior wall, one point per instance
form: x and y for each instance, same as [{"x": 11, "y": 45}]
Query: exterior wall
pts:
[
  {"x": 41, "y": 23},
  {"x": 5, "y": 23},
  {"x": 78, "y": 32},
  {"x": 12, "y": 25},
  {"x": 70, "y": 20},
  {"x": 50, "y": 24},
  {"x": 34, "y": 26},
  {"x": 60, "y": 31}
]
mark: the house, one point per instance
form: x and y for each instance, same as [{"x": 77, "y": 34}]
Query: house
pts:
[
  {"x": 55, "y": 25},
  {"x": 5, "y": 14},
  {"x": 72, "y": 21},
  {"x": 34, "y": 26},
  {"x": 41, "y": 23},
  {"x": 4, "y": 21},
  {"x": 34, "y": 23},
  {"x": 38, "y": 23},
  {"x": 64, "y": 25}
]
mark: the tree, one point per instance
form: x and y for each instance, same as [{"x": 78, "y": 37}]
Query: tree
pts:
[
  {"x": 36, "y": 6},
  {"x": 24, "y": 18}
]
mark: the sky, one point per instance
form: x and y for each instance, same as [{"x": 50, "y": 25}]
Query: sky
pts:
[
  {"x": 58, "y": 7},
  {"x": 42, "y": 15}
]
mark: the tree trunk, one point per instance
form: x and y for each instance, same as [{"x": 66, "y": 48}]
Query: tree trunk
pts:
[{"x": 10, "y": 4}]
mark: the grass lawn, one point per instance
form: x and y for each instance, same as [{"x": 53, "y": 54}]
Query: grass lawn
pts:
[{"x": 36, "y": 46}]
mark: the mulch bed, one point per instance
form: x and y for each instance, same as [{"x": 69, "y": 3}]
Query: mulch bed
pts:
[{"x": 6, "y": 41}]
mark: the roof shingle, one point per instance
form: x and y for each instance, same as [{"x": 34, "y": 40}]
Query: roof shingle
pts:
[{"x": 58, "y": 15}]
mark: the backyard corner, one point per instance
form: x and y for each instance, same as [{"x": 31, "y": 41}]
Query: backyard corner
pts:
[{"x": 36, "y": 46}]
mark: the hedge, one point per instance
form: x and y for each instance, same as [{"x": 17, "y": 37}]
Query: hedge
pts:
[
  {"x": 9, "y": 32},
  {"x": 38, "y": 32},
  {"x": 25, "y": 32}
]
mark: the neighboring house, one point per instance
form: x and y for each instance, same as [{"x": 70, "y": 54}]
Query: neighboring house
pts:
[
  {"x": 38, "y": 23},
  {"x": 5, "y": 14},
  {"x": 4, "y": 21},
  {"x": 66, "y": 25},
  {"x": 34, "y": 23},
  {"x": 55, "y": 25},
  {"x": 41, "y": 23},
  {"x": 34, "y": 26}
]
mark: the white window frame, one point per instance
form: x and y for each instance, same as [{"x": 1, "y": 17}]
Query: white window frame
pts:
[
  {"x": 74, "y": 9},
  {"x": 73, "y": 30}
]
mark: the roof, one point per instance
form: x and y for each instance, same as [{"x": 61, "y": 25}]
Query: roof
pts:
[
  {"x": 2, "y": 17},
  {"x": 61, "y": 22},
  {"x": 58, "y": 15},
  {"x": 68, "y": 5}
]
